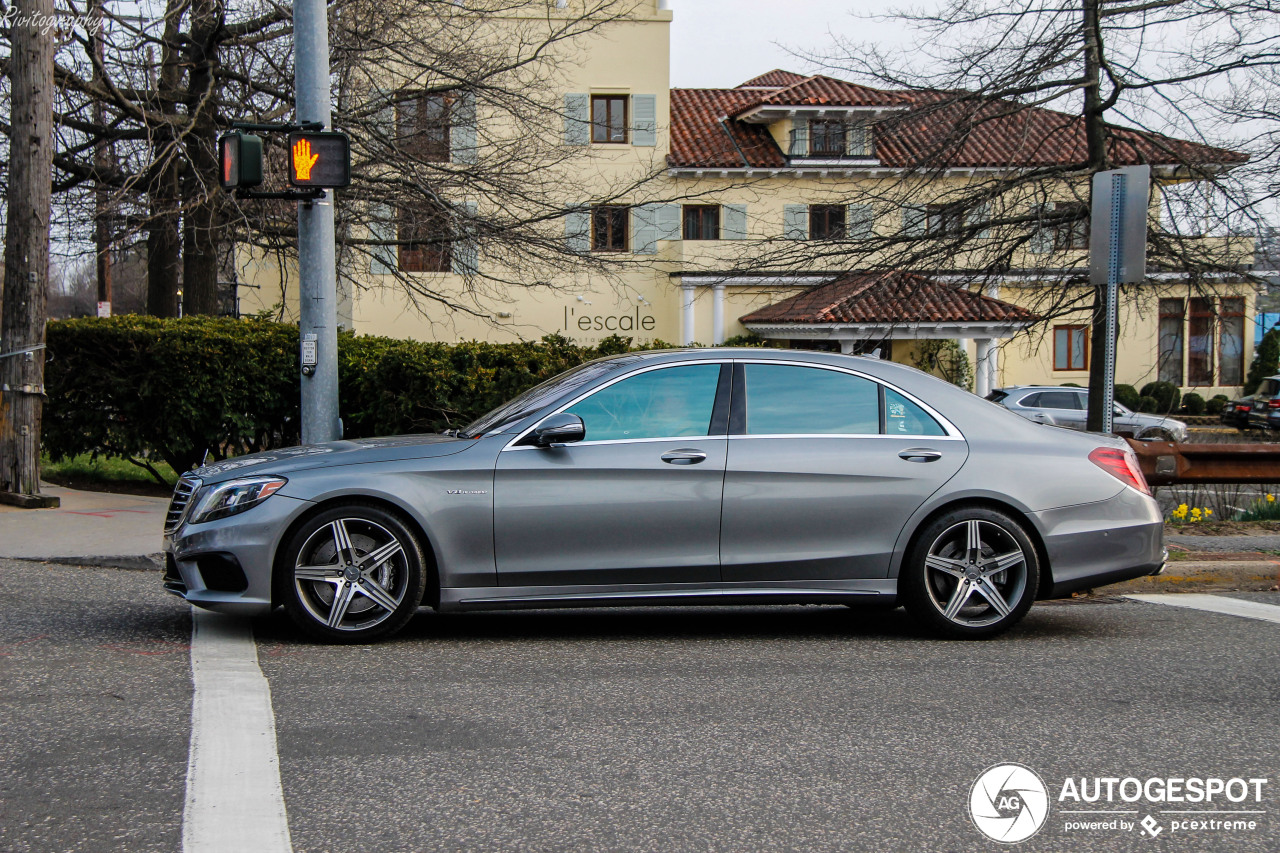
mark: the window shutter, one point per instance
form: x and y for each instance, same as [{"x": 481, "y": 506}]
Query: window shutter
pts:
[
  {"x": 799, "y": 139},
  {"x": 979, "y": 214},
  {"x": 733, "y": 222},
  {"x": 462, "y": 129},
  {"x": 668, "y": 222},
  {"x": 464, "y": 252},
  {"x": 1041, "y": 242},
  {"x": 644, "y": 229},
  {"x": 915, "y": 221},
  {"x": 577, "y": 121},
  {"x": 644, "y": 116},
  {"x": 860, "y": 220},
  {"x": 857, "y": 141},
  {"x": 577, "y": 231},
  {"x": 795, "y": 222},
  {"x": 382, "y": 226}
]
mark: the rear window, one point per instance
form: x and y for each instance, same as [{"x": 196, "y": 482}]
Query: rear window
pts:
[
  {"x": 997, "y": 395},
  {"x": 1268, "y": 388}
]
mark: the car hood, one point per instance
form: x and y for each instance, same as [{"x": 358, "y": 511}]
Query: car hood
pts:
[{"x": 351, "y": 452}]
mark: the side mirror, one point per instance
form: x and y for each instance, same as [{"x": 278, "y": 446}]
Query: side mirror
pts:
[{"x": 559, "y": 429}]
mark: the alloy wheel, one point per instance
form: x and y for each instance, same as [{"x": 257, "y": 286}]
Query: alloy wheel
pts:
[{"x": 975, "y": 573}]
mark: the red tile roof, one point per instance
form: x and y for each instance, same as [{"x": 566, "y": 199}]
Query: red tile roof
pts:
[
  {"x": 829, "y": 92},
  {"x": 892, "y": 297},
  {"x": 777, "y": 78},
  {"x": 699, "y": 138},
  {"x": 941, "y": 128}
]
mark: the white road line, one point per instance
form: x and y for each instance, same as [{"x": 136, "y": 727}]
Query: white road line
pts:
[
  {"x": 1215, "y": 604},
  {"x": 234, "y": 800}
]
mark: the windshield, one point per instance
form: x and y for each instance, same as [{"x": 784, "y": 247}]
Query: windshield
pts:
[{"x": 541, "y": 395}]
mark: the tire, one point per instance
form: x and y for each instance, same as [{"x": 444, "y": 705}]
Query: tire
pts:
[
  {"x": 962, "y": 592},
  {"x": 352, "y": 574},
  {"x": 1157, "y": 434}
]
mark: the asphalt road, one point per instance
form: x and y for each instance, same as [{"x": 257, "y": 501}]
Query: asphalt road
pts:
[{"x": 740, "y": 729}]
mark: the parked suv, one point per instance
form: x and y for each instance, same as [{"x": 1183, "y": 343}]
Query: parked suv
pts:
[
  {"x": 1265, "y": 412},
  {"x": 1069, "y": 407}
]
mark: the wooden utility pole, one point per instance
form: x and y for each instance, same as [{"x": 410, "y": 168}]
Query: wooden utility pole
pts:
[
  {"x": 26, "y": 257},
  {"x": 101, "y": 162}
]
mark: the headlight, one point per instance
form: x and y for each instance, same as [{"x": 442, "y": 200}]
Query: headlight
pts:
[{"x": 234, "y": 496}]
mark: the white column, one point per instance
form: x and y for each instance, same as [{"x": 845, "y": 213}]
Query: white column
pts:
[
  {"x": 993, "y": 366},
  {"x": 847, "y": 345},
  {"x": 717, "y": 315},
  {"x": 982, "y": 376},
  {"x": 686, "y": 313}
]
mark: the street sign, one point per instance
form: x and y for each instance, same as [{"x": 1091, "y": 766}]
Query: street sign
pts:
[
  {"x": 319, "y": 159},
  {"x": 1124, "y": 193},
  {"x": 241, "y": 157},
  {"x": 1117, "y": 254}
]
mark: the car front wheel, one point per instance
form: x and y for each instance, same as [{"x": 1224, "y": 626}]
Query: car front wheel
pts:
[
  {"x": 971, "y": 573},
  {"x": 355, "y": 573}
]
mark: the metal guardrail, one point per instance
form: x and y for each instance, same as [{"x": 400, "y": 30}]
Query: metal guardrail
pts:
[{"x": 1166, "y": 462}]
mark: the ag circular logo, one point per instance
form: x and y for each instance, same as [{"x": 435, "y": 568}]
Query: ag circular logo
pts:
[{"x": 1009, "y": 803}]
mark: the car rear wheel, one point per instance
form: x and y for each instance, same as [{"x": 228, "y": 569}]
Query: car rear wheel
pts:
[
  {"x": 355, "y": 573},
  {"x": 971, "y": 573},
  {"x": 1158, "y": 434}
]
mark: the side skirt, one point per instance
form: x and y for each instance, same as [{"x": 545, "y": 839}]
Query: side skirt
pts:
[{"x": 878, "y": 590}]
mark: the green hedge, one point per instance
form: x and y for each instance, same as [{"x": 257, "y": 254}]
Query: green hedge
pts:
[{"x": 141, "y": 387}]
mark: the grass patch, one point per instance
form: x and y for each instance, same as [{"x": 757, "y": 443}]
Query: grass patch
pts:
[
  {"x": 1266, "y": 508},
  {"x": 107, "y": 474}
]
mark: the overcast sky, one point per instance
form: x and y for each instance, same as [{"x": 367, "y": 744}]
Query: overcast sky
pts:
[{"x": 721, "y": 43}]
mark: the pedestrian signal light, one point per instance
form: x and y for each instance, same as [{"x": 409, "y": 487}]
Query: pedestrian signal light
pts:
[
  {"x": 319, "y": 159},
  {"x": 241, "y": 158}
]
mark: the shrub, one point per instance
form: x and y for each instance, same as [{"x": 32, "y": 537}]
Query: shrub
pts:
[
  {"x": 1166, "y": 395},
  {"x": 1193, "y": 404},
  {"x": 1128, "y": 396},
  {"x": 134, "y": 387},
  {"x": 1149, "y": 405},
  {"x": 1072, "y": 385},
  {"x": 944, "y": 359},
  {"x": 1215, "y": 404}
]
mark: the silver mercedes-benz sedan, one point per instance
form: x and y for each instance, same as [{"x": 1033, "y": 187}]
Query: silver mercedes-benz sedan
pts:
[{"x": 707, "y": 476}]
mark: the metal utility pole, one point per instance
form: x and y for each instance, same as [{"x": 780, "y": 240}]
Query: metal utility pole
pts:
[
  {"x": 317, "y": 265},
  {"x": 26, "y": 257},
  {"x": 101, "y": 163},
  {"x": 1117, "y": 254}
]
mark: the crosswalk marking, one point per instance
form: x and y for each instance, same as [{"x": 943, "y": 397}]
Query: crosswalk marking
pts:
[
  {"x": 1215, "y": 604},
  {"x": 234, "y": 800}
]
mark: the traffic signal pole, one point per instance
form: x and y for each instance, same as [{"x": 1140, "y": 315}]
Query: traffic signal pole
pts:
[{"x": 317, "y": 264}]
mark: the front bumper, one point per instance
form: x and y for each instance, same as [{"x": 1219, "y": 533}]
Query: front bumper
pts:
[
  {"x": 225, "y": 565},
  {"x": 1091, "y": 545}
]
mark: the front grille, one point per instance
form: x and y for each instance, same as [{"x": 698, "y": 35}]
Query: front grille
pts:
[{"x": 182, "y": 493}]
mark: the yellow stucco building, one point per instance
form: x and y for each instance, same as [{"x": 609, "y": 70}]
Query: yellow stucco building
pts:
[{"x": 746, "y": 215}]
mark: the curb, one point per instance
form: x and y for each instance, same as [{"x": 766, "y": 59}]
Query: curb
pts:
[
  {"x": 1204, "y": 576},
  {"x": 127, "y": 562}
]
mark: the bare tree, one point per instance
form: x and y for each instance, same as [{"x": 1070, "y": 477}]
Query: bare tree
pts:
[{"x": 1001, "y": 114}]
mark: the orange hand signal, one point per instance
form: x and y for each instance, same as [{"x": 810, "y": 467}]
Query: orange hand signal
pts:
[{"x": 303, "y": 159}]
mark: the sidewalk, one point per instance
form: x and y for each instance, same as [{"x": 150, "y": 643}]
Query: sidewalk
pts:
[{"x": 89, "y": 528}]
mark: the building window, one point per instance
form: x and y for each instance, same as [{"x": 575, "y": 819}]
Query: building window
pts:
[
  {"x": 1070, "y": 347},
  {"x": 1170, "y": 344},
  {"x": 422, "y": 126},
  {"x": 1231, "y": 343},
  {"x": 425, "y": 240},
  {"x": 826, "y": 138},
  {"x": 1200, "y": 342},
  {"x": 826, "y": 222},
  {"x": 1073, "y": 233},
  {"x": 609, "y": 228},
  {"x": 702, "y": 222},
  {"x": 609, "y": 118},
  {"x": 943, "y": 219}
]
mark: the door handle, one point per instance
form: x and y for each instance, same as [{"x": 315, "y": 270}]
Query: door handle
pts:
[
  {"x": 684, "y": 456},
  {"x": 920, "y": 454}
]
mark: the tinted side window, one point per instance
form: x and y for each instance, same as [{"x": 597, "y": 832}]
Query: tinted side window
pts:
[
  {"x": 1030, "y": 401},
  {"x": 787, "y": 400},
  {"x": 673, "y": 401},
  {"x": 903, "y": 417},
  {"x": 1058, "y": 400}
]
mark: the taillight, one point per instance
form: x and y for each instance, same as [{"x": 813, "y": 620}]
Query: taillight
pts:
[
  {"x": 1273, "y": 403},
  {"x": 1121, "y": 464},
  {"x": 1242, "y": 408}
]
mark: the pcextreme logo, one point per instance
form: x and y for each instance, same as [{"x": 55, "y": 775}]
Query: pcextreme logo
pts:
[{"x": 1010, "y": 803}]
